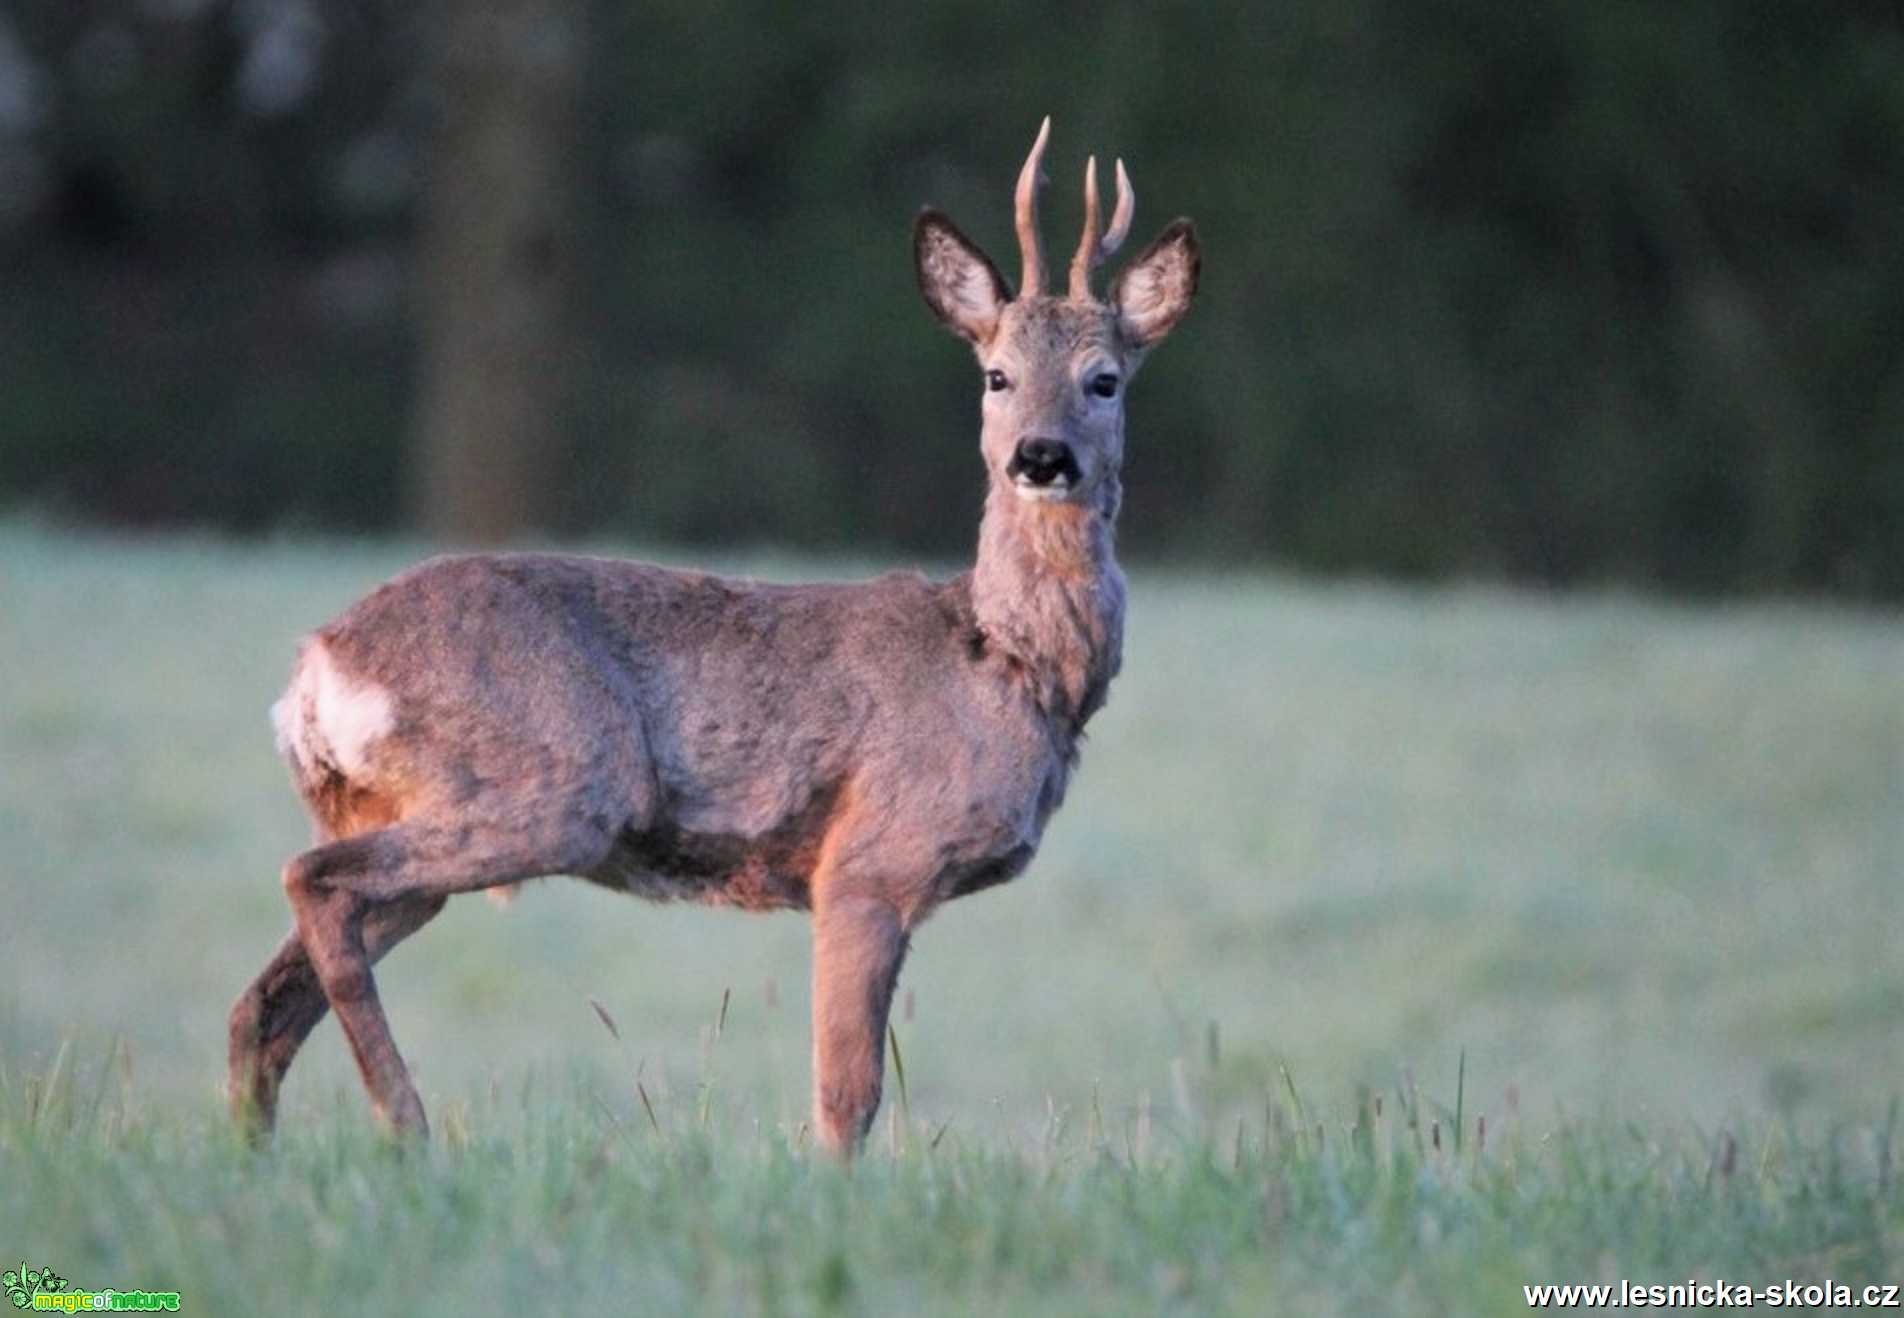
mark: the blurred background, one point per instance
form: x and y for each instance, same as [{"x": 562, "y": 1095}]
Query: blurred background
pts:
[
  {"x": 1539, "y": 292},
  {"x": 1528, "y": 294}
]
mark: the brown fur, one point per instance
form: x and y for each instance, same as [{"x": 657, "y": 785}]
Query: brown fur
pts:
[
  {"x": 342, "y": 808},
  {"x": 866, "y": 752}
]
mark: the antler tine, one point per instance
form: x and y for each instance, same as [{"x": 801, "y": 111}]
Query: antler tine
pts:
[
  {"x": 1120, "y": 218},
  {"x": 1087, "y": 256},
  {"x": 1093, "y": 251},
  {"x": 1029, "y": 246}
]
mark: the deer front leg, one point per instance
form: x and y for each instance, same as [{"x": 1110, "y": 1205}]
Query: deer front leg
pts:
[{"x": 858, "y": 945}]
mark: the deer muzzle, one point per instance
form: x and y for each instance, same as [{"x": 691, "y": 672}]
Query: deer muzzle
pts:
[{"x": 1041, "y": 467}]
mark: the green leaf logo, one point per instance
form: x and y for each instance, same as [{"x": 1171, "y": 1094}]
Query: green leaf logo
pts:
[{"x": 24, "y": 1284}]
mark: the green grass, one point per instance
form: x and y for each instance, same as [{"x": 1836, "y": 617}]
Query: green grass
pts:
[
  {"x": 547, "y": 1200},
  {"x": 1638, "y": 862}
]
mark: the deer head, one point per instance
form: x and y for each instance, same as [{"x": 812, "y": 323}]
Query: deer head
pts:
[{"x": 1055, "y": 368}]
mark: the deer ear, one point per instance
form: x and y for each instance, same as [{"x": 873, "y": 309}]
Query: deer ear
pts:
[
  {"x": 1153, "y": 291},
  {"x": 961, "y": 285}
]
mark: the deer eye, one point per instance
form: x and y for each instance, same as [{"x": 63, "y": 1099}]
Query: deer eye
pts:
[
  {"x": 995, "y": 380},
  {"x": 1105, "y": 385}
]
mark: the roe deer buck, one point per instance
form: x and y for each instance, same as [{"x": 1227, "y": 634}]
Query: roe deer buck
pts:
[{"x": 863, "y": 751}]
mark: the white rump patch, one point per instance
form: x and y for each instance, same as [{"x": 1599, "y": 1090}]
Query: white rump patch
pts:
[{"x": 327, "y": 717}]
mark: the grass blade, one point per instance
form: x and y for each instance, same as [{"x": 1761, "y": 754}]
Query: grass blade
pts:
[
  {"x": 649, "y": 1109},
  {"x": 607, "y": 1020},
  {"x": 1460, "y": 1094},
  {"x": 1295, "y": 1100},
  {"x": 899, "y": 1072}
]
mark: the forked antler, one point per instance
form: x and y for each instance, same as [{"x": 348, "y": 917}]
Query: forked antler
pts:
[
  {"x": 1093, "y": 251},
  {"x": 1030, "y": 178}
]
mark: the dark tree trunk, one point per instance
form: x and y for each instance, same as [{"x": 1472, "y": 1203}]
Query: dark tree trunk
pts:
[{"x": 497, "y": 268}]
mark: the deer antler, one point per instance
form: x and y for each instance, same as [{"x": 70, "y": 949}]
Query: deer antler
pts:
[
  {"x": 1092, "y": 250},
  {"x": 1029, "y": 246}
]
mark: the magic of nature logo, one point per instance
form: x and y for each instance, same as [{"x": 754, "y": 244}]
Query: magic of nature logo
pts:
[{"x": 45, "y": 1290}]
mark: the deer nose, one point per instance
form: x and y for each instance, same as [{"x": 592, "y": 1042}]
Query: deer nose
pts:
[{"x": 1041, "y": 461}]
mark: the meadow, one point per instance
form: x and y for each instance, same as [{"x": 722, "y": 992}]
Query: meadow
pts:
[{"x": 1396, "y": 947}]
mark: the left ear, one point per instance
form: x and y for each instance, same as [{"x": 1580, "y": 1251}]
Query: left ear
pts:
[
  {"x": 960, "y": 283},
  {"x": 1152, "y": 292}
]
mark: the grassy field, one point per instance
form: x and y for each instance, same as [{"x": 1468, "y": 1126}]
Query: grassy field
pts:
[{"x": 1639, "y": 864}]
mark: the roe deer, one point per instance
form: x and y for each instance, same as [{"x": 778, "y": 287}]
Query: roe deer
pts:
[{"x": 861, "y": 751}]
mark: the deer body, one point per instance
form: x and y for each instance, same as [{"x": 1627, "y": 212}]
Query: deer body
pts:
[
  {"x": 706, "y": 734},
  {"x": 862, "y": 751}
]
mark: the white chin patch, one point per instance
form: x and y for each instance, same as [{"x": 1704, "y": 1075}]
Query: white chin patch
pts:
[{"x": 1059, "y": 491}]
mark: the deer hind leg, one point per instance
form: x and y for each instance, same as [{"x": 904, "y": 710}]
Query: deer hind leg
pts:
[
  {"x": 272, "y": 1018},
  {"x": 337, "y": 889},
  {"x": 858, "y": 945}
]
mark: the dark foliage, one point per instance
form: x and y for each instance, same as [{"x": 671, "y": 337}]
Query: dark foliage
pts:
[{"x": 1555, "y": 292}]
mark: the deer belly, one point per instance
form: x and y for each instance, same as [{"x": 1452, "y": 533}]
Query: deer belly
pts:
[
  {"x": 975, "y": 876},
  {"x": 665, "y": 864}
]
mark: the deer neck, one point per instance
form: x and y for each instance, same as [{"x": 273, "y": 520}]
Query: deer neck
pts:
[{"x": 1048, "y": 593}]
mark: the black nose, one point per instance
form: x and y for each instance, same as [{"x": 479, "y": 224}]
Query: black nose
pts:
[{"x": 1042, "y": 461}]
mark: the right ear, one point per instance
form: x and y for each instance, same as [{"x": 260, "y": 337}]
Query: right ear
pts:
[
  {"x": 1154, "y": 291},
  {"x": 960, "y": 283}
]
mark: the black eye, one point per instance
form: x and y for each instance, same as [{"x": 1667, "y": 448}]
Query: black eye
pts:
[
  {"x": 995, "y": 380},
  {"x": 1105, "y": 385}
]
